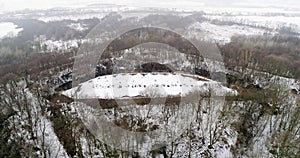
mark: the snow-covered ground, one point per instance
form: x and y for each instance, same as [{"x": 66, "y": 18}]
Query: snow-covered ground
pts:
[
  {"x": 8, "y": 29},
  {"x": 51, "y": 45},
  {"x": 223, "y": 33},
  {"x": 260, "y": 20},
  {"x": 71, "y": 17},
  {"x": 34, "y": 128},
  {"x": 145, "y": 85},
  {"x": 249, "y": 10},
  {"x": 78, "y": 26}
]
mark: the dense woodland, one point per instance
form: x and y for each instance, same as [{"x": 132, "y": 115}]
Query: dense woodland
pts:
[{"x": 279, "y": 55}]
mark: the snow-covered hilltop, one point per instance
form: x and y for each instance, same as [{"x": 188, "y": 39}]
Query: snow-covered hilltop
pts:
[{"x": 144, "y": 85}]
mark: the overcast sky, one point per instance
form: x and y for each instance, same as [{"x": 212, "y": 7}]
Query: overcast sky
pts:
[{"x": 9, "y": 5}]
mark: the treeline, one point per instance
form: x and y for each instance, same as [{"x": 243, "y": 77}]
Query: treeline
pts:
[
  {"x": 279, "y": 55},
  {"x": 36, "y": 65}
]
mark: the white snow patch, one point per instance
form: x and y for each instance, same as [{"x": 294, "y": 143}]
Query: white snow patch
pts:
[{"x": 8, "y": 29}]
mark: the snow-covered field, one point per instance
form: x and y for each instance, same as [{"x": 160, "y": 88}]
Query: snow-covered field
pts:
[
  {"x": 260, "y": 20},
  {"x": 223, "y": 33},
  {"x": 143, "y": 84},
  {"x": 8, "y": 29}
]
